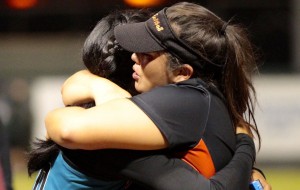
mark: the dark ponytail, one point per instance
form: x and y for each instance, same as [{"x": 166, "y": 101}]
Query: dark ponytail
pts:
[
  {"x": 240, "y": 65},
  {"x": 228, "y": 47}
]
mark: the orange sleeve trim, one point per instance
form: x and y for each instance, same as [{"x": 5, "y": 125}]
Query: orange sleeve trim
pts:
[{"x": 200, "y": 159}]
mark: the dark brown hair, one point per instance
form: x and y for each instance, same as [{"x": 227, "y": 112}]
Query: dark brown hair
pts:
[
  {"x": 226, "y": 45},
  {"x": 101, "y": 56}
]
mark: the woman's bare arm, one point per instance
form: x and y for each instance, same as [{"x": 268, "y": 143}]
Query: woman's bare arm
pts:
[
  {"x": 84, "y": 86},
  {"x": 115, "y": 124},
  {"x": 100, "y": 127}
]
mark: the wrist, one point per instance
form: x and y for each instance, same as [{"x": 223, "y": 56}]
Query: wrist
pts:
[{"x": 260, "y": 171}]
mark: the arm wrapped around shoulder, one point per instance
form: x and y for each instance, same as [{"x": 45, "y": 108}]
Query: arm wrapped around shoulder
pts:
[{"x": 83, "y": 87}]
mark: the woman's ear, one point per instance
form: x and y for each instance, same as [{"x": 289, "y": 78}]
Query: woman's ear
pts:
[{"x": 183, "y": 73}]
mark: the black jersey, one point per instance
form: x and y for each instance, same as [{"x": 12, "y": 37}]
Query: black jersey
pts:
[{"x": 195, "y": 121}]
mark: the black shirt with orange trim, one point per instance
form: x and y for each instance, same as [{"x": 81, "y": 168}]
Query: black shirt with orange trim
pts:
[{"x": 195, "y": 121}]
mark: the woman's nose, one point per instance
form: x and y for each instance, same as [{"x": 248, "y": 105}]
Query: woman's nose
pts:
[{"x": 135, "y": 58}]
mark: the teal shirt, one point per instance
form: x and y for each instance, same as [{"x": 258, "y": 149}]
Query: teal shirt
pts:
[{"x": 62, "y": 176}]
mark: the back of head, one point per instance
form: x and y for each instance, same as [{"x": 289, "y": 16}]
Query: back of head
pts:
[
  {"x": 102, "y": 55},
  {"x": 228, "y": 56}
]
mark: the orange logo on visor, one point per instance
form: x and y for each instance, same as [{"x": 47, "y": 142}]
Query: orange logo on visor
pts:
[{"x": 157, "y": 23}]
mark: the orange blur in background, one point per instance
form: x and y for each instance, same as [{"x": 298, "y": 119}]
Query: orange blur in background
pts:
[
  {"x": 21, "y": 4},
  {"x": 144, "y": 3}
]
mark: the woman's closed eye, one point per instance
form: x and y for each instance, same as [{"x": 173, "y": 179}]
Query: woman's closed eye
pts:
[{"x": 145, "y": 58}]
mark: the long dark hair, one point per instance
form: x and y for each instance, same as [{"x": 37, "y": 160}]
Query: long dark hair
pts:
[
  {"x": 228, "y": 47},
  {"x": 102, "y": 56}
]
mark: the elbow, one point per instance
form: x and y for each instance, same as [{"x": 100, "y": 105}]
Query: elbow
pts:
[
  {"x": 58, "y": 130},
  {"x": 65, "y": 137}
]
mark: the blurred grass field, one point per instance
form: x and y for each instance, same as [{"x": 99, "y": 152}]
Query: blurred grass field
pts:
[
  {"x": 283, "y": 178},
  {"x": 280, "y": 179}
]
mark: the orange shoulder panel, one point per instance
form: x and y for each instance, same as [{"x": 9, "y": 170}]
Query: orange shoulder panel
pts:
[{"x": 200, "y": 159}]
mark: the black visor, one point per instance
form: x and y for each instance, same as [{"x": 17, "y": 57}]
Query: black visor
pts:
[{"x": 156, "y": 34}]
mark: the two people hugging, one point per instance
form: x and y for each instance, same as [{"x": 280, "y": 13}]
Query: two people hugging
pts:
[{"x": 170, "y": 115}]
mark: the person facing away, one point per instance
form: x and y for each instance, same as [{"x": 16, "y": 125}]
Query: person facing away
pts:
[{"x": 158, "y": 81}]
